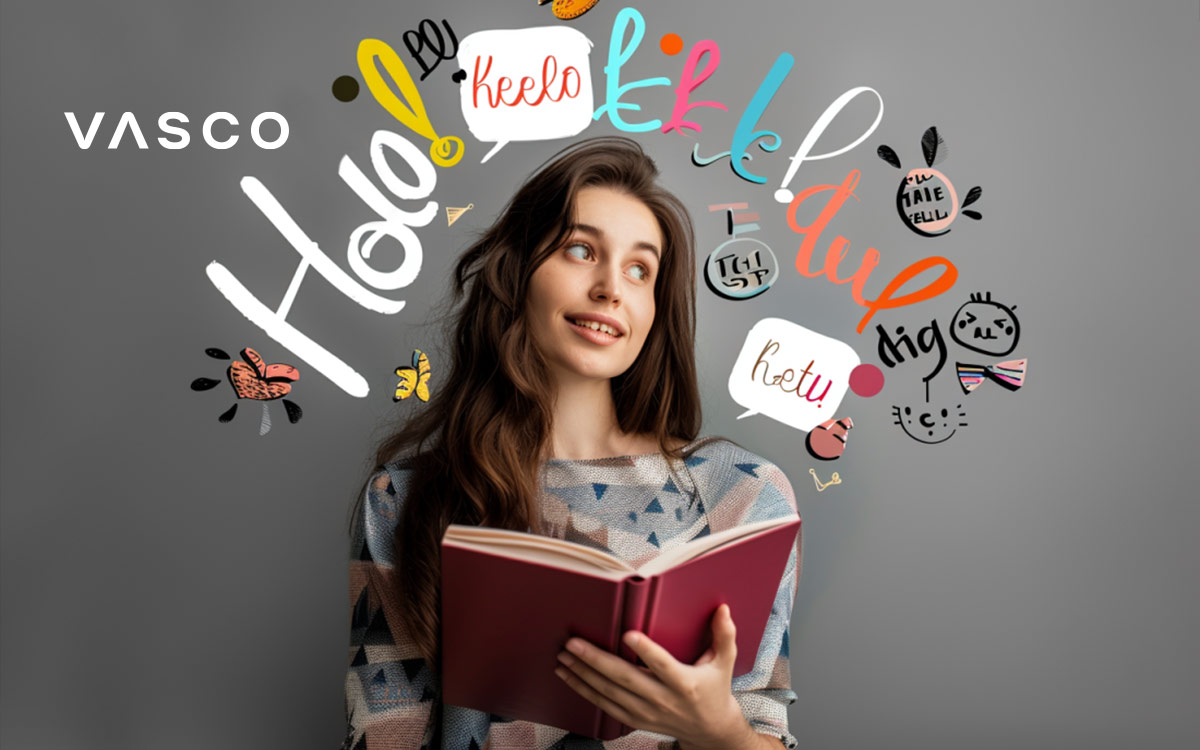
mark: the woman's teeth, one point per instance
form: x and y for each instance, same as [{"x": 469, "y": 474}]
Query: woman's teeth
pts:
[{"x": 595, "y": 326}]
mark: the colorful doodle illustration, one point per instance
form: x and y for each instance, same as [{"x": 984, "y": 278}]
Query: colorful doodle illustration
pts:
[
  {"x": 345, "y": 88},
  {"x": 866, "y": 380},
  {"x": 771, "y": 377},
  {"x": 706, "y": 51},
  {"x": 835, "y": 479},
  {"x": 926, "y": 200},
  {"x": 254, "y": 379},
  {"x": 986, "y": 327},
  {"x": 827, "y": 441},
  {"x": 937, "y": 425},
  {"x": 1010, "y": 374},
  {"x": 445, "y": 151},
  {"x": 525, "y": 84},
  {"x": 838, "y": 248},
  {"x": 929, "y": 339},
  {"x": 452, "y": 213},
  {"x": 744, "y": 135},
  {"x": 392, "y": 222},
  {"x": 427, "y": 35},
  {"x": 413, "y": 379},
  {"x": 571, "y": 9},
  {"x": 742, "y": 267}
]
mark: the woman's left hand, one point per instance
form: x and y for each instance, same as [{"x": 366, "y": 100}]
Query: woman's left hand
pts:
[{"x": 693, "y": 703}]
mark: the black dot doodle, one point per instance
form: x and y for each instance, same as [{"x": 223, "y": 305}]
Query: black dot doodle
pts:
[{"x": 345, "y": 88}]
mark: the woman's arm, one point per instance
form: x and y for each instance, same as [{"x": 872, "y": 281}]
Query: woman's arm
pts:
[{"x": 389, "y": 690}]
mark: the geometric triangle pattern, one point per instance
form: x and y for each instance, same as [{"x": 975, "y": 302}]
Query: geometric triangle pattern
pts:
[
  {"x": 378, "y": 634},
  {"x": 748, "y": 468},
  {"x": 412, "y": 667},
  {"x": 359, "y": 618}
]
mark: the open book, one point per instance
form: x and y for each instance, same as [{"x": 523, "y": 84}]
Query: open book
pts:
[{"x": 510, "y": 601}]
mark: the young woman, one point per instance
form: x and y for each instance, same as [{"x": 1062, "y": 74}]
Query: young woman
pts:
[{"x": 568, "y": 407}]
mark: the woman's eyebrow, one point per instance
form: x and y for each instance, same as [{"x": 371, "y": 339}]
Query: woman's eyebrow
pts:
[{"x": 599, "y": 233}]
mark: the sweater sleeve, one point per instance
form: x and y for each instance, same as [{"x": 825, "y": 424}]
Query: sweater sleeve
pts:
[
  {"x": 389, "y": 689},
  {"x": 765, "y": 692}
]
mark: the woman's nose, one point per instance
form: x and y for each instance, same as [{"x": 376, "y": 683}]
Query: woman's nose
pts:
[{"x": 607, "y": 284}]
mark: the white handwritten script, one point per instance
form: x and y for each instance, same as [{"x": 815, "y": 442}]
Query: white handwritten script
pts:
[{"x": 393, "y": 222}]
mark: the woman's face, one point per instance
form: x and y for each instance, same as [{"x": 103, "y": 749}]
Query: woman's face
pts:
[{"x": 591, "y": 303}]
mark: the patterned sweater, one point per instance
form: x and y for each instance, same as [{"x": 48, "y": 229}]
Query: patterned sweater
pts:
[{"x": 635, "y": 507}]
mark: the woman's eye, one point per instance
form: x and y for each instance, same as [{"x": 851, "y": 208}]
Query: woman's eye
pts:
[
  {"x": 579, "y": 250},
  {"x": 641, "y": 273}
]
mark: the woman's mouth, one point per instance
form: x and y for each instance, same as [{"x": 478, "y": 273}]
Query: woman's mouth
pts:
[{"x": 595, "y": 331}]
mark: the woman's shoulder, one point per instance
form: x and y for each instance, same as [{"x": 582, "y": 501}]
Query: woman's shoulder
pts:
[{"x": 735, "y": 480}]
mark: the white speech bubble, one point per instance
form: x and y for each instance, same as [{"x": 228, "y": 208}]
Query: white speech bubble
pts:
[
  {"x": 791, "y": 374},
  {"x": 526, "y": 84}
]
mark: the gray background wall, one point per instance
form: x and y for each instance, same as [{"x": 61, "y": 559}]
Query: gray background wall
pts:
[{"x": 169, "y": 581}]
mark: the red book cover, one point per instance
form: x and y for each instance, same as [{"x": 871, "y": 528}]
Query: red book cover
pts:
[{"x": 510, "y": 601}]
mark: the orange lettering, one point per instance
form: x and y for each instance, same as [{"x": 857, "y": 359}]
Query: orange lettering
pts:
[{"x": 840, "y": 246}]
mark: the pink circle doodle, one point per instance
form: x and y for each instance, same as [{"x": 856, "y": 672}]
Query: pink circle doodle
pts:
[{"x": 866, "y": 380}]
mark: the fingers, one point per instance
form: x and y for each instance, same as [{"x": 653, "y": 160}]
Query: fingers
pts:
[
  {"x": 724, "y": 636},
  {"x": 666, "y": 667},
  {"x": 613, "y": 684},
  {"x": 673, "y": 672},
  {"x": 594, "y": 696}
]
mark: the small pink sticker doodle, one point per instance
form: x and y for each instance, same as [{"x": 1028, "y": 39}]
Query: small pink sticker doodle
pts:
[
  {"x": 254, "y": 379},
  {"x": 827, "y": 441}
]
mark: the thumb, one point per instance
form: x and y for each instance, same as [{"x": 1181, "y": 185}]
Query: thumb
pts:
[{"x": 724, "y": 635}]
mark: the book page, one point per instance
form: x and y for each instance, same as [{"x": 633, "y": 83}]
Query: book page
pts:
[
  {"x": 560, "y": 553},
  {"x": 520, "y": 545},
  {"x": 706, "y": 544}
]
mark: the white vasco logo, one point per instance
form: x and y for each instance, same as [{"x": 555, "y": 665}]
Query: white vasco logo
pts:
[{"x": 180, "y": 136}]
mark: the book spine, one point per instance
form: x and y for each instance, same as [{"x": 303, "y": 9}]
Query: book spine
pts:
[
  {"x": 633, "y": 613},
  {"x": 652, "y": 612},
  {"x": 631, "y": 617}
]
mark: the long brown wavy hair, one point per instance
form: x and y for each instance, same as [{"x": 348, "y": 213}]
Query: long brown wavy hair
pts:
[{"x": 476, "y": 449}]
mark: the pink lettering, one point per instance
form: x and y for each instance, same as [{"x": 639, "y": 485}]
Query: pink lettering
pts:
[{"x": 689, "y": 82}]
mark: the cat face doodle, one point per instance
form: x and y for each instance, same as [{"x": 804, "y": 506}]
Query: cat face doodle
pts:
[
  {"x": 931, "y": 426},
  {"x": 987, "y": 327}
]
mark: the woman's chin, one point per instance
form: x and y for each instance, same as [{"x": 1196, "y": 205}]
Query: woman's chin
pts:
[{"x": 590, "y": 368}]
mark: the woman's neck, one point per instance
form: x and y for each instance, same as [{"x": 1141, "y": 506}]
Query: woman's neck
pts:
[{"x": 585, "y": 424}]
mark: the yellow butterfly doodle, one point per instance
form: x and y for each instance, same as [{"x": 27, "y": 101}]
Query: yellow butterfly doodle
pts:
[{"x": 415, "y": 378}]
